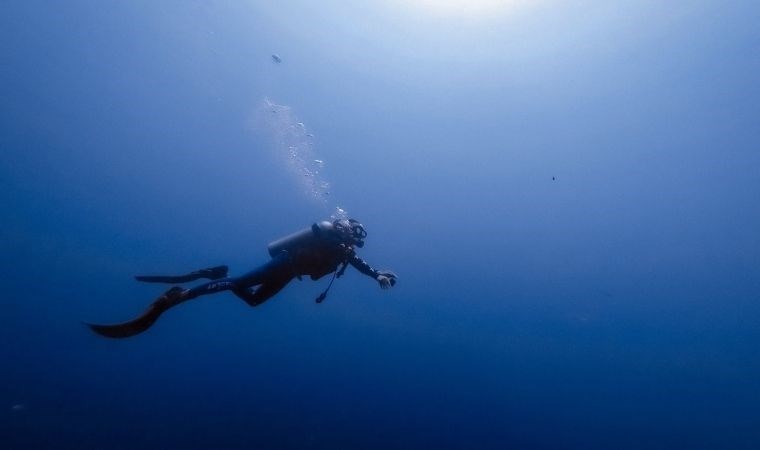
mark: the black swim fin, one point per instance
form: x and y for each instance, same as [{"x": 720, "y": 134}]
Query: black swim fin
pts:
[
  {"x": 212, "y": 273},
  {"x": 144, "y": 321}
]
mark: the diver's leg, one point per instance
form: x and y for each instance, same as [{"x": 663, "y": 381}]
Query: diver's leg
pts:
[
  {"x": 170, "y": 298},
  {"x": 212, "y": 273},
  {"x": 212, "y": 287},
  {"x": 274, "y": 276},
  {"x": 265, "y": 291},
  {"x": 276, "y": 268}
]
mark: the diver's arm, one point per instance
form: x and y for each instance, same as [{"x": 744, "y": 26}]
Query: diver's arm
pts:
[
  {"x": 386, "y": 279},
  {"x": 362, "y": 266}
]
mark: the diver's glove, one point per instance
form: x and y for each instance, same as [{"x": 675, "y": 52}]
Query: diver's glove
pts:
[{"x": 386, "y": 279}]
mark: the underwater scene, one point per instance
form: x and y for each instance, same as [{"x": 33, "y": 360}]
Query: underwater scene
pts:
[{"x": 389, "y": 224}]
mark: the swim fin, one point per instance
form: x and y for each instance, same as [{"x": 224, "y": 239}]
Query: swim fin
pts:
[
  {"x": 144, "y": 321},
  {"x": 212, "y": 273}
]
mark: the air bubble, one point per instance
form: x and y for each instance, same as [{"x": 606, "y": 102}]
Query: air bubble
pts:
[{"x": 295, "y": 147}]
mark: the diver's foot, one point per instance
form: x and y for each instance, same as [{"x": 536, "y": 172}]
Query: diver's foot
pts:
[{"x": 212, "y": 273}]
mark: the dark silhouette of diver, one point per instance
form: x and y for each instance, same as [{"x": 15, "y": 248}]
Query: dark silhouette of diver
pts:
[{"x": 324, "y": 248}]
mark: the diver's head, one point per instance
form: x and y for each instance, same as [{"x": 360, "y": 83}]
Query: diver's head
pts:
[{"x": 351, "y": 231}]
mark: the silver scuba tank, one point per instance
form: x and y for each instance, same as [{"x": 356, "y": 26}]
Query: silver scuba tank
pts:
[{"x": 304, "y": 238}]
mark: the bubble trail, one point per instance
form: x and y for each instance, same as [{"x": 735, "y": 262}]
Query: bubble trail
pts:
[{"x": 294, "y": 146}]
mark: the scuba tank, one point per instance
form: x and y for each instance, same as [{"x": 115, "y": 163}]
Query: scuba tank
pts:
[{"x": 319, "y": 231}]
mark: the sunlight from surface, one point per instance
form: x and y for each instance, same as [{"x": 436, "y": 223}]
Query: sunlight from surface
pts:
[{"x": 464, "y": 8}]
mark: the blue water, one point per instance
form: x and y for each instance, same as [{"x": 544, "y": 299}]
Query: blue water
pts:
[{"x": 568, "y": 190}]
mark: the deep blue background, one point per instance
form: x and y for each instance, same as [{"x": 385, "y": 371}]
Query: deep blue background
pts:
[{"x": 614, "y": 307}]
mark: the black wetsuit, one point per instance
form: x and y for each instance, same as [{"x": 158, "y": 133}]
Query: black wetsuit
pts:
[
  {"x": 260, "y": 284},
  {"x": 317, "y": 259}
]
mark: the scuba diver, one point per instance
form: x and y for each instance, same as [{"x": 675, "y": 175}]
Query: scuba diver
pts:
[{"x": 326, "y": 247}]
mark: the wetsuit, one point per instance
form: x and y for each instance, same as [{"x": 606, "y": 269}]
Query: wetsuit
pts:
[
  {"x": 316, "y": 260},
  {"x": 260, "y": 284}
]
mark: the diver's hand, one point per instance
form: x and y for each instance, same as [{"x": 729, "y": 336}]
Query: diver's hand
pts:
[{"x": 386, "y": 279}]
